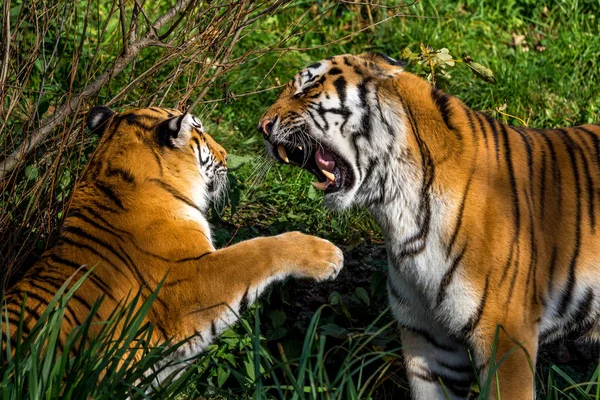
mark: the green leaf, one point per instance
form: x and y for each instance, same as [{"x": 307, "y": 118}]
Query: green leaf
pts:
[
  {"x": 277, "y": 334},
  {"x": 249, "y": 366},
  {"x": 479, "y": 70},
  {"x": 235, "y": 161},
  {"x": 363, "y": 295},
  {"x": 333, "y": 330},
  {"x": 408, "y": 54},
  {"x": 335, "y": 298},
  {"x": 444, "y": 57},
  {"x": 312, "y": 193},
  {"x": 32, "y": 172},
  {"x": 222, "y": 375},
  {"x": 277, "y": 318}
]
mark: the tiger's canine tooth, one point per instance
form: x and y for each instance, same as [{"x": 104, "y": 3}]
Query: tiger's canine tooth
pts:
[
  {"x": 328, "y": 175},
  {"x": 283, "y": 154},
  {"x": 320, "y": 185},
  {"x": 300, "y": 148}
]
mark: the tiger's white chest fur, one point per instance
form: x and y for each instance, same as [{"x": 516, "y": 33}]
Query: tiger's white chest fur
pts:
[{"x": 418, "y": 267}]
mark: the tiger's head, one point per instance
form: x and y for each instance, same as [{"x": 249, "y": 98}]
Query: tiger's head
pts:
[
  {"x": 160, "y": 146},
  {"x": 334, "y": 120}
]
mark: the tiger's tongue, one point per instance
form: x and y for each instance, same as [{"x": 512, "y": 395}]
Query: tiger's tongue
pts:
[
  {"x": 326, "y": 164},
  {"x": 324, "y": 160}
]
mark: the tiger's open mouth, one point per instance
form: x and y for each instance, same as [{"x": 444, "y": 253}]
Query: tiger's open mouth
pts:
[{"x": 331, "y": 170}]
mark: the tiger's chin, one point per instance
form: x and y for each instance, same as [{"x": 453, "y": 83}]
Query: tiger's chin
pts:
[
  {"x": 217, "y": 188},
  {"x": 335, "y": 176}
]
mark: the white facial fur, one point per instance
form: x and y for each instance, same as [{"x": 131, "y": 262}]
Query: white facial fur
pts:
[{"x": 353, "y": 122}]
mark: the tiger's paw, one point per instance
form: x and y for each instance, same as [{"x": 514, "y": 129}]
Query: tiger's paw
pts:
[{"x": 314, "y": 257}]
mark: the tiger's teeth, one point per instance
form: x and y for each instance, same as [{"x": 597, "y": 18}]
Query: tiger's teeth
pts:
[
  {"x": 328, "y": 175},
  {"x": 300, "y": 148},
  {"x": 320, "y": 185},
  {"x": 283, "y": 154}
]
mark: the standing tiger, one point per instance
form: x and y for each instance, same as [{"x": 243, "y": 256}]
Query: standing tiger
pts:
[
  {"x": 138, "y": 214},
  {"x": 489, "y": 228}
]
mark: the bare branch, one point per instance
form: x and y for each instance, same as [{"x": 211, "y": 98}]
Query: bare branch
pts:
[
  {"x": 77, "y": 101},
  {"x": 5, "y": 43}
]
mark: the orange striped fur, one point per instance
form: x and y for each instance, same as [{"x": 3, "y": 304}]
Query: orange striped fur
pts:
[
  {"x": 487, "y": 226},
  {"x": 138, "y": 216}
]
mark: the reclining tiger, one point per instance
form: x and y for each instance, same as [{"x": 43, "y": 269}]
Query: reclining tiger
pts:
[
  {"x": 138, "y": 216},
  {"x": 490, "y": 230}
]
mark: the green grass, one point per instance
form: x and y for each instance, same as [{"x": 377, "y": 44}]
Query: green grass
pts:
[{"x": 544, "y": 55}]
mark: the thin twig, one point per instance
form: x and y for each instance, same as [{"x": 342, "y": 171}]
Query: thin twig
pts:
[{"x": 74, "y": 104}]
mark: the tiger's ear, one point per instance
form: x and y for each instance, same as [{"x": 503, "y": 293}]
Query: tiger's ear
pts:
[
  {"x": 176, "y": 131},
  {"x": 389, "y": 60},
  {"x": 388, "y": 63},
  {"x": 98, "y": 119}
]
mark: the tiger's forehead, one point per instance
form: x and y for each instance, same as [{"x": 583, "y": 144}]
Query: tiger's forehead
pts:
[
  {"x": 308, "y": 76},
  {"x": 346, "y": 65}
]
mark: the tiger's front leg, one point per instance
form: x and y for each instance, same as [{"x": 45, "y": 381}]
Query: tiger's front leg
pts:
[
  {"x": 213, "y": 292},
  {"x": 437, "y": 365}
]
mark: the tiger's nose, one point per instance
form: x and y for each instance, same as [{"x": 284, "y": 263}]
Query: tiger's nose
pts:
[{"x": 265, "y": 127}]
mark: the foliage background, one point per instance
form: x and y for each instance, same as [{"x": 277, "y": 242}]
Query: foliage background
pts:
[{"x": 226, "y": 60}]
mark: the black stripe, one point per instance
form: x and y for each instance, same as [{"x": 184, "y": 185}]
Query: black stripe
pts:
[
  {"x": 474, "y": 320},
  {"x": 124, "y": 174},
  {"x": 32, "y": 312},
  {"x": 41, "y": 300},
  {"x": 340, "y": 87},
  {"x": 110, "y": 194},
  {"x": 481, "y": 121},
  {"x": 51, "y": 293},
  {"x": 429, "y": 338},
  {"x": 458, "y": 387},
  {"x": 158, "y": 160},
  {"x": 84, "y": 218},
  {"x": 442, "y": 102},
  {"x": 213, "y": 328},
  {"x": 175, "y": 193},
  {"x": 492, "y": 124},
  {"x": 93, "y": 251},
  {"x": 397, "y": 295},
  {"x": 244, "y": 303},
  {"x": 587, "y": 177},
  {"x": 98, "y": 216},
  {"x": 515, "y": 246},
  {"x": 595, "y": 141},
  {"x": 417, "y": 241},
  {"x": 162, "y": 330},
  {"x": 15, "y": 322},
  {"x": 584, "y": 307},
  {"x": 77, "y": 231},
  {"x": 466, "y": 369},
  {"x": 552, "y": 269},
  {"x": 196, "y": 258},
  {"x": 567, "y": 295},
  {"x": 469, "y": 113},
  {"x": 448, "y": 277},
  {"x": 94, "y": 278},
  {"x": 459, "y": 216}
]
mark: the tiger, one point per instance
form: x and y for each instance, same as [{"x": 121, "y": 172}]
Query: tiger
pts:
[
  {"x": 489, "y": 228},
  {"x": 138, "y": 216}
]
